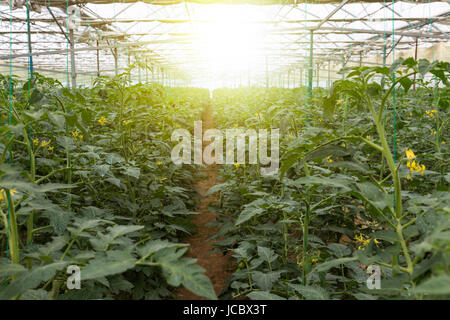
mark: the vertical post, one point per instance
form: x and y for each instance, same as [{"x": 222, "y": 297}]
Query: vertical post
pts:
[
  {"x": 289, "y": 79},
  {"x": 310, "y": 69},
  {"x": 72, "y": 59},
  {"x": 98, "y": 60},
  {"x": 384, "y": 63},
  {"x": 301, "y": 77},
  {"x": 30, "y": 58},
  {"x": 293, "y": 78},
  {"x": 146, "y": 70},
  {"x": 329, "y": 74},
  {"x": 360, "y": 58},
  {"x": 415, "y": 58},
  {"x": 153, "y": 73},
  {"x": 139, "y": 69},
  {"x": 116, "y": 66},
  {"x": 343, "y": 65},
  {"x": 318, "y": 73}
]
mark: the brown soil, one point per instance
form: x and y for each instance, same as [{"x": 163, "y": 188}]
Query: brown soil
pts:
[{"x": 214, "y": 263}]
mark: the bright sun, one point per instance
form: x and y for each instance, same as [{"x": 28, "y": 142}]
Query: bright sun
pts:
[{"x": 229, "y": 45}]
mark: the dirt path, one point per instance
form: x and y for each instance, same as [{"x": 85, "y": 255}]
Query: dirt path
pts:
[{"x": 214, "y": 263}]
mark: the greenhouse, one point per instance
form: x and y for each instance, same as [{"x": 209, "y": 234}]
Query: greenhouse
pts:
[{"x": 224, "y": 150}]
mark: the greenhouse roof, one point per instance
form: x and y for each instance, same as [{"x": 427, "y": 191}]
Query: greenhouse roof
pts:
[{"x": 220, "y": 41}]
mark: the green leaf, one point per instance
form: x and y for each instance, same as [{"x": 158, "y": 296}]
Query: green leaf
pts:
[
  {"x": 39, "y": 294},
  {"x": 133, "y": 172},
  {"x": 9, "y": 269},
  {"x": 435, "y": 286},
  {"x": 310, "y": 292},
  {"x": 265, "y": 280},
  {"x": 115, "y": 261},
  {"x": 154, "y": 246},
  {"x": 406, "y": 83},
  {"x": 267, "y": 254},
  {"x": 424, "y": 66},
  {"x": 120, "y": 230},
  {"x": 395, "y": 65},
  {"x": 329, "y": 150},
  {"x": 186, "y": 272},
  {"x": 31, "y": 279},
  {"x": 333, "y": 263},
  {"x": 329, "y": 182},
  {"x": 248, "y": 213},
  {"x": 264, "y": 295}
]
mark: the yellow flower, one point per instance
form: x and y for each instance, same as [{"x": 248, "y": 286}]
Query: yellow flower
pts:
[
  {"x": 433, "y": 132},
  {"x": 410, "y": 154},
  {"x": 36, "y": 141},
  {"x": 410, "y": 114},
  {"x": 75, "y": 133},
  {"x": 339, "y": 101},
  {"x": 159, "y": 163},
  {"x": 299, "y": 263},
  {"x": 3, "y": 193},
  {"x": 443, "y": 142},
  {"x": 411, "y": 165},
  {"x": 102, "y": 121},
  {"x": 421, "y": 169},
  {"x": 161, "y": 180},
  {"x": 430, "y": 113},
  {"x": 80, "y": 137},
  {"x": 359, "y": 238},
  {"x": 235, "y": 125},
  {"x": 237, "y": 165},
  {"x": 45, "y": 143},
  {"x": 368, "y": 137},
  {"x": 329, "y": 160},
  {"x": 125, "y": 122},
  {"x": 126, "y": 108},
  {"x": 50, "y": 149},
  {"x": 314, "y": 260}
]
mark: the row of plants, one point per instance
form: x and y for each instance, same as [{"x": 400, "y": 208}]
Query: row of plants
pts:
[
  {"x": 86, "y": 180},
  {"x": 362, "y": 190}
]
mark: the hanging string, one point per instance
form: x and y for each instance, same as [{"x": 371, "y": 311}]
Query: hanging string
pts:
[
  {"x": 67, "y": 57},
  {"x": 436, "y": 89},
  {"x": 394, "y": 142},
  {"x": 8, "y": 231}
]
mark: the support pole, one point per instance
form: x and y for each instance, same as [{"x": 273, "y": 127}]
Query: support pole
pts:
[
  {"x": 116, "y": 66},
  {"x": 384, "y": 63},
  {"x": 289, "y": 79},
  {"x": 343, "y": 65},
  {"x": 415, "y": 58},
  {"x": 139, "y": 70},
  {"x": 318, "y": 73},
  {"x": 98, "y": 61},
  {"x": 301, "y": 77},
  {"x": 72, "y": 59},
  {"x": 329, "y": 74},
  {"x": 146, "y": 70},
  {"x": 310, "y": 69},
  {"x": 29, "y": 41}
]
